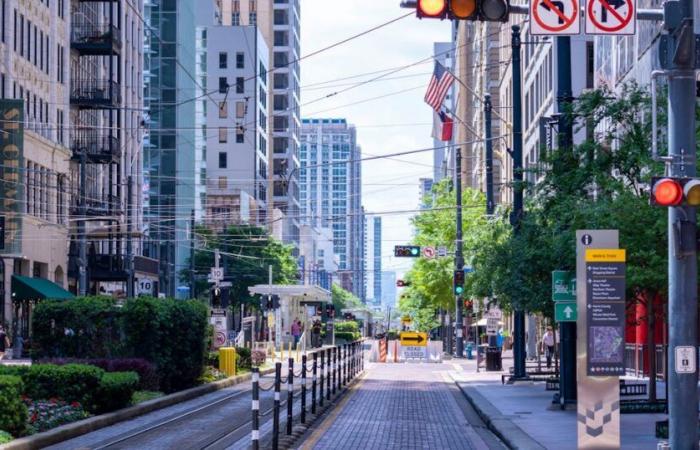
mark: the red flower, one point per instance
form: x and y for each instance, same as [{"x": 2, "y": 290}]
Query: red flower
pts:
[{"x": 75, "y": 405}]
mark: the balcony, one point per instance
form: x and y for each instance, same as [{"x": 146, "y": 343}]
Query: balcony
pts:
[
  {"x": 100, "y": 267},
  {"x": 95, "y": 39},
  {"x": 101, "y": 147},
  {"x": 109, "y": 206},
  {"x": 97, "y": 94}
]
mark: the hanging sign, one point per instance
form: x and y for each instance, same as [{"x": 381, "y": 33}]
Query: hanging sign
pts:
[
  {"x": 616, "y": 17},
  {"x": 554, "y": 17}
]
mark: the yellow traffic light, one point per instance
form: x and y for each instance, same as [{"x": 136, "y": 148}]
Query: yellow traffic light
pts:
[
  {"x": 431, "y": 8},
  {"x": 463, "y": 9},
  {"x": 692, "y": 192}
]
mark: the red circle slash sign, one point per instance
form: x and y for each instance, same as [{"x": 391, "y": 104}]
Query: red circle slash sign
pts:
[
  {"x": 564, "y": 20},
  {"x": 619, "y": 20}
]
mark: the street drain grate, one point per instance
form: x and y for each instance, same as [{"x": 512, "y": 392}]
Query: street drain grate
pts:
[{"x": 522, "y": 412}]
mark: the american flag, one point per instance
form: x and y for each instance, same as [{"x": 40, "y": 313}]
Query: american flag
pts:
[{"x": 440, "y": 83}]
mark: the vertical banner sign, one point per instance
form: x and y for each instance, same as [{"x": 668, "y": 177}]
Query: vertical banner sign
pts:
[
  {"x": 615, "y": 17},
  {"x": 11, "y": 173},
  {"x": 554, "y": 17},
  {"x": 598, "y": 393},
  {"x": 605, "y": 303}
]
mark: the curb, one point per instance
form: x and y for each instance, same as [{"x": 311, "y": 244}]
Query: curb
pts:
[
  {"x": 79, "y": 428},
  {"x": 511, "y": 434}
]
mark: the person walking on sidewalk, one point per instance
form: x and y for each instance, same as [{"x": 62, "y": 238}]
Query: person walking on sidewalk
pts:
[{"x": 548, "y": 345}]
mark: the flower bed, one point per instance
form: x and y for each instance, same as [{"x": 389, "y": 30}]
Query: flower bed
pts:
[{"x": 47, "y": 414}]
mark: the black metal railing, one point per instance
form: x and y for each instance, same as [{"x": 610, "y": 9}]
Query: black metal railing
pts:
[
  {"x": 98, "y": 207},
  {"x": 95, "y": 38},
  {"x": 93, "y": 92},
  {"x": 99, "y": 146}
]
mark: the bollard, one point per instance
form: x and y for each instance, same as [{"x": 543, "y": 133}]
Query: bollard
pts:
[
  {"x": 276, "y": 408},
  {"x": 303, "y": 388},
  {"x": 328, "y": 374},
  {"x": 313, "y": 385},
  {"x": 340, "y": 365},
  {"x": 255, "y": 433},
  {"x": 320, "y": 389},
  {"x": 334, "y": 369},
  {"x": 290, "y": 394},
  {"x": 345, "y": 364}
]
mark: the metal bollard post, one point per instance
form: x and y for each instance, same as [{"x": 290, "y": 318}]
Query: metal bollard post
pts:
[
  {"x": 340, "y": 365},
  {"x": 344, "y": 376},
  {"x": 320, "y": 389},
  {"x": 303, "y": 388},
  {"x": 290, "y": 394},
  {"x": 313, "y": 385},
  {"x": 328, "y": 375},
  {"x": 255, "y": 409},
  {"x": 334, "y": 369},
  {"x": 276, "y": 408},
  {"x": 352, "y": 360}
]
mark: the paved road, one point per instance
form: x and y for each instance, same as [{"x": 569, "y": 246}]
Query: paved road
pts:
[{"x": 403, "y": 406}]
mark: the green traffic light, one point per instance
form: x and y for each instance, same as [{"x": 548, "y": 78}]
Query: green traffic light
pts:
[
  {"x": 414, "y": 251},
  {"x": 459, "y": 290}
]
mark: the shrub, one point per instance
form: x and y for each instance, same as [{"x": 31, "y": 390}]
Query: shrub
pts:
[
  {"x": 346, "y": 326},
  {"x": 257, "y": 358},
  {"x": 347, "y": 336},
  {"x": 47, "y": 414},
  {"x": 13, "y": 412},
  {"x": 5, "y": 437},
  {"x": 148, "y": 376},
  {"x": 71, "y": 382},
  {"x": 116, "y": 390},
  {"x": 243, "y": 358},
  {"x": 212, "y": 359}
]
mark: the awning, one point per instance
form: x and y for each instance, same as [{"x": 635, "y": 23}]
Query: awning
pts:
[{"x": 28, "y": 288}]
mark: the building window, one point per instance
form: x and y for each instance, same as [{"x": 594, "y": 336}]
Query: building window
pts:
[
  {"x": 223, "y": 160},
  {"x": 240, "y": 110},
  {"x": 239, "y": 85},
  {"x": 223, "y": 110},
  {"x": 240, "y": 136},
  {"x": 223, "y": 60},
  {"x": 223, "y": 182},
  {"x": 252, "y": 18},
  {"x": 223, "y": 85},
  {"x": 240, "y": 60},
  {"x": 236, "y": 19},
  {"x": 223, "y": 135}
]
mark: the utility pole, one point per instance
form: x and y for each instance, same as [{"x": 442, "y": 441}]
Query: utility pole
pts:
[
  {"x": 682, "y": 254},
  {"x": 82, "y": 238},
  {"x": 488, "y": 155},
  {"x": 129, "y": 244},
  {"x": 193, "y": 293},
  {"x": 459, "y": 259},
  {"x": 567, "y": 344},
  {"x": 517, "y": 155}
]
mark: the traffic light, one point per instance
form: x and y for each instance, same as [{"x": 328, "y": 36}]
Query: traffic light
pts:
[
  {"x": 271, "y": 302},
  {"x": 468, "y": 304},
  {"x": 402, "y": 283},
  {"x": 668, "y": 191},
  {"x": 216, "y": 297},
  {"x": 458, "y": 282},
  {"x": 483, "y": 10},
  {"x": 407, "y": 251}
]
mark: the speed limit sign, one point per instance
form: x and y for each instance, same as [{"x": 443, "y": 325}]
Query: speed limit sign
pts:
[{"x": 144, "y": 286}]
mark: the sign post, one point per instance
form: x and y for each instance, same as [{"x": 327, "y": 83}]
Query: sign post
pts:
[{"x": 598, "y": 402}]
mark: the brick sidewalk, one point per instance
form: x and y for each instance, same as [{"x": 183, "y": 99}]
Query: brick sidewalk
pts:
[{"x": 403, "y": 406}]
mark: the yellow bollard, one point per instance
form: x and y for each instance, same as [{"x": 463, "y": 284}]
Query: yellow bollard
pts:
[{"x": 227, "y": 360}]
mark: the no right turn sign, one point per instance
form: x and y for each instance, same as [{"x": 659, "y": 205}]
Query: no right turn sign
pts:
[{"x": 617, "y": 17}]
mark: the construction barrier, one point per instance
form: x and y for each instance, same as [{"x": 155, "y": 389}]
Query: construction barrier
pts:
[{"x": 227, "y": 360}]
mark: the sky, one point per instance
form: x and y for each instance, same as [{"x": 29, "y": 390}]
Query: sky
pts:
[{"x": 398, "y": 122}]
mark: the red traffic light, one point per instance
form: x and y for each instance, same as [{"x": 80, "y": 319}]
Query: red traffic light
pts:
[
  {"x": 666, "y": 192},
  {"x": 434, "y": 9}
]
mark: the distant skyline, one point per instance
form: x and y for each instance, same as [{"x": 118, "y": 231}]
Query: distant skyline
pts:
[{"x": 397, "y": 122}]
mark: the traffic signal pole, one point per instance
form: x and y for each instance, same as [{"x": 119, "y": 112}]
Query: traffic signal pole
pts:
[
  {"x": 488, "y": 154},
  {"x": 459, "y": 258},
  {"x": 517, "y": 155},
  {"x": 567, "y": 341},
  {"x": 682, "y": 253}
]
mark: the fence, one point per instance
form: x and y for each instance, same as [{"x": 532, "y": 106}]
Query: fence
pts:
[
  {"x": 636, "y": 355},
  {"x": 331, "y": 369}
]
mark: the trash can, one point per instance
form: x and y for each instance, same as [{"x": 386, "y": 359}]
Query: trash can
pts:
[
  {"x": 493, "y": 359},
  {"x": 469, "y": 351},
  {"x": 227, "y": 360}
]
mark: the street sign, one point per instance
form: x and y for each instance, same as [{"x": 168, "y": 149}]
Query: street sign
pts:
[
  {"x": 554, "y": 17},
  {"x": 406, "y": 320},
  {"x": 442, "y": 251},
  {"x": 429, "y": 252},
  {"x": 565, "y": 312},
  {"x": 414, "y": 339},
  {"x": 563, "y": 286},
  {"x": 414, "y": 352},
  {"x": 615, "y": 17},
  {"x": 144, "y": 286},
  {"x": 468, "y": 270},
  {"x": 685, "y": 359},
  {"x": 495, "y": 313},
  {"x": 605, "y": 310},
  {"x": 492, "y": 326},
  {"x": 216, "y": 274}
]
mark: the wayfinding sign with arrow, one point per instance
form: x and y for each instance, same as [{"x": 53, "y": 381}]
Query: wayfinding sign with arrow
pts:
[
  {"x": 414, "y": 339},
  {"x": 554, "y": 17}
]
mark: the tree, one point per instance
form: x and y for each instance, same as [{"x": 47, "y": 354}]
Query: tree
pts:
[{"x": 343, "y": 299}]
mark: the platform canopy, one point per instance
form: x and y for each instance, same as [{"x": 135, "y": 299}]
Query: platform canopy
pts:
[{"x": 304, "y": 292}]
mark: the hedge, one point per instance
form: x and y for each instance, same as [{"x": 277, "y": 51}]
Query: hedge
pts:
[
  {"x": 169, "y": 333},
  {"x": 71, "y": 382},
  {"x": 116, "y": 390},
  {"x": 148, "y": 375},
  {"x": 13, "y": 411}
]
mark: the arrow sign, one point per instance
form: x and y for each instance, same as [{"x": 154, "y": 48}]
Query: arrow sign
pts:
[
  {"x": 611, "y": 17},
  {"x": 554, "y": 17},
  {"x": 414, "y": 339},
  {"x": 565, "y": 312},
  {"x": 568, "y": 311}
]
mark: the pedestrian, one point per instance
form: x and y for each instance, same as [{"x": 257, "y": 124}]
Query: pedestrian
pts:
[
  {"x": 296, "y": 331},
  {"x": 548, "y": 345},
  {"x": 316, "y": 334},
  {"x": 4, "y": 342}
]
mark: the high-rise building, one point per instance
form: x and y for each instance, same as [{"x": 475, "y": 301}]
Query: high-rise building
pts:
[
  {"x": 173, "y": 171},
  {"x": 330, "y": 192},
  {"x": 388, "y": 288},
  {"x": 373, "y": 259},
  {"x": 425, "y": 188}
]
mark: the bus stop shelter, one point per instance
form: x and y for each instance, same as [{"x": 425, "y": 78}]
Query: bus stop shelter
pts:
[{"x": 297, "y": 301}]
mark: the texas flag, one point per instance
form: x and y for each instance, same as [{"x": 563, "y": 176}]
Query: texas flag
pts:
[{"x": 442, "y": 126}]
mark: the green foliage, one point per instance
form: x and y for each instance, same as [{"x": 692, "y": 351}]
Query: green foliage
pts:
[
  {"x": 246, "y": 253},
  {"x": 343, "y": 299},
  {"x": 144, "y": 396},
  {"x": 243, "y": 360},
  {"x": 5, "y": 437},
  {"x": 346, "y": 336},
  {"x": 116, "y": 390},
  {"x": 348, "y": 331},
  {"x": 13, "y": 412},
  {"x": 47, "y": 414},
  {"x": 70, "y": 382}
]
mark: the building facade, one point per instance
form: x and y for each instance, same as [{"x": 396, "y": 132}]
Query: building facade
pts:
[
  {"x": 444, "y": 53},
  {"x": 330, "y": 192},
  {"x": 317, "y": 259},
  {"x": 388, "y": 288},
  {"x": 425, "y": 188},
  {"x": 373, "y": 259}
]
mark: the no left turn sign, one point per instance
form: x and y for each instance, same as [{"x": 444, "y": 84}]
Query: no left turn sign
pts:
[
  {"x": 616, "y": 17},
  {"x": 554, "y": 17},
  {"x": 429, "y": 252}
]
